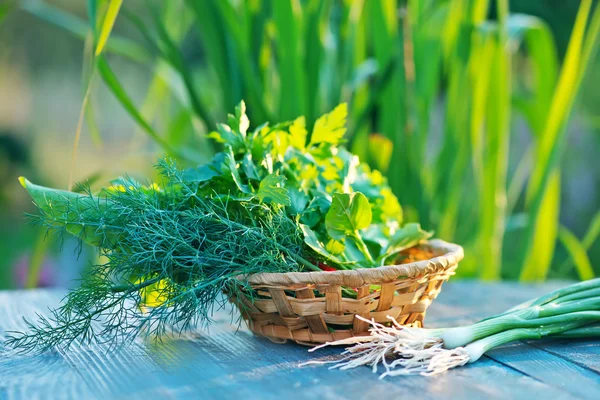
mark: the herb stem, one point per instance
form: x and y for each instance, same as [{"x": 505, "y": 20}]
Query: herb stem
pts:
[
  {"x": 305, "y": 262},
  {"x": 115, "y": 302},
  {"x": 363, "y": 248}
]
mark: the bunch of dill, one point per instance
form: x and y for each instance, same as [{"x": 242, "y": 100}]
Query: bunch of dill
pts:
[{"x": 182, "y": 247}]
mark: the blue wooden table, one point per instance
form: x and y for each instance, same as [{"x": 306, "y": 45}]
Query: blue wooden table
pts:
[{"x": 230, "y": 363}]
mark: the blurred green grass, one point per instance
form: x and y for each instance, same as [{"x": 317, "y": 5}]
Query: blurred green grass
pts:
[{"x": 492, "y": 139}]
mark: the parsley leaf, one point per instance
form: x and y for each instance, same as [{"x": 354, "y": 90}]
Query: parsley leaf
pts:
[{"x": 271, "y": 190}]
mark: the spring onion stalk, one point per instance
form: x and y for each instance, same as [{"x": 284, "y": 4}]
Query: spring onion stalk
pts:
[
  {"x": 570, "y": 312},
  {"x": 590, "y": 331}
]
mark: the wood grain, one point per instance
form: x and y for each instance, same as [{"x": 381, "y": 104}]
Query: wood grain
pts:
[
  {"x": 227, "y": 361},
  {"x": 546, "y": 367},
  {"x": 31, "y": 377}
]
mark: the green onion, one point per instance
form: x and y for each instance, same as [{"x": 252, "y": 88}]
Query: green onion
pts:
[{"x": 570, "y": 312}]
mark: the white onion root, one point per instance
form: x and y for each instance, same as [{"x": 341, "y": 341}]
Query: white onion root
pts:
[{"x": 401, "y": 350}]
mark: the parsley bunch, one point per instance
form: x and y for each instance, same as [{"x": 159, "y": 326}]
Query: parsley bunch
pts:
[{"x": 348, "y": 214}]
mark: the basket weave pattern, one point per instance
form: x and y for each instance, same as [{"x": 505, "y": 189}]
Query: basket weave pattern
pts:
[{"x": 288, "y": 309}]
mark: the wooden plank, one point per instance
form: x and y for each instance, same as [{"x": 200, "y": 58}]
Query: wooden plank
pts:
[
  {"x": 123, "y": 372},
  {"x": 79, "y": 372},
  {"x": 546, "y": 367},
  {"x": 28, "y": 377},
  {"x": 240, "y": 363},
  {"x": 565, "y": 368},
  {"x": 227, "y": 362},
  {"x": 550, "y": 364},
  {"x": 585, "y": 353}
]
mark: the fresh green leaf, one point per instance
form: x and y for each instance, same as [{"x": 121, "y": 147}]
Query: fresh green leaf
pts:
[
  {"x": 207, "y": 171},
  {"x": 311, "y": 239},
  {"x": 231, "y": 164},
  {"x": 81, "y": 215},
  {"x": 249, "y": 167},
  {"x": 298, "y": 200},
  {"x": 271, "y": 190},
  {"x": 335, "y": 247},
  {"x": 348, "y": 214},
  {"x": 331, "y": 127},
  {"x": 410, "y": 235},
  {"x": 240, "y": 119},
  {"x": 360, "y": 256},
  {"x": 298, "y": 133},
  {"x": 317, "y": 207},
  {"x": 378, "y": 234},
  {"x": 233, "y": 133},
  {"x": 225, "y": 134}
]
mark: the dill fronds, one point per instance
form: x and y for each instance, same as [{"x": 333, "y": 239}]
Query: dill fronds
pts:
[{"x": 195, "y": 246}]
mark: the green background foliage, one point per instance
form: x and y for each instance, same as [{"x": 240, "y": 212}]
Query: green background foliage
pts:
[{"x": 481, "y": 113}]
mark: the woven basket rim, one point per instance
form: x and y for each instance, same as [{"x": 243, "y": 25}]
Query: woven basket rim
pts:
[{"x": 452, "y": 254}]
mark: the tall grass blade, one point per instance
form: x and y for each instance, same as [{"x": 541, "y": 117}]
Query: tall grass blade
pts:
[
  {"x": 248, "y": 68},
  {"x": 387, "y": 40},
  {"x": 542, "y": 189},
  {"x": 107, "y": 25},
  {"x": 536, "y": 35},
  {"x": 540, "y": 254},
  {"x": 287, "y": 22},
  {"x": 82, "y": 112},
  {"x": 493, "y": 200},
  {"x": 452, "y": 161},
  {"x": 111, "y": 81},
  {"x": 593, "y": 232},
  {"x": 92, "y": 10},
  {"x": 441, "y": 81},
  {"x": 518, "y": 180},
  {"x": 577, "y": 253},
  {"x": 315, "y": 21},
  {"x": 80, "y": 28},
  {"x": 173, "y": 55},
  {"x": 588, "y": 240},
  {"x": 215, "y": 43},
  {"x": 89, "y": 67}
]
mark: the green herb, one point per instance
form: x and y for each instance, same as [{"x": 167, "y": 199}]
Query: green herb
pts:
[
  {"x": 194, "y": 246},
  {"x": 269, "y": 202},
  {"x": 348, "y": 213}
]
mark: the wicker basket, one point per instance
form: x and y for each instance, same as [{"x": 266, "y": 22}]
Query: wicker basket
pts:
[{"x": 308, "y": 307}]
